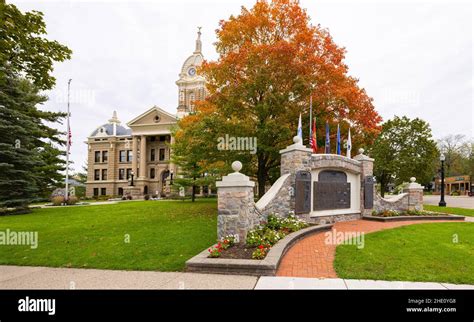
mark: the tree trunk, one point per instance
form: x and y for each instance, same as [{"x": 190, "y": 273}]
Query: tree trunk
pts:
[
  {"x": 383, "y": 186},
  {"x": 193, "y": 194},
  {"x": 262, "y": 175}
]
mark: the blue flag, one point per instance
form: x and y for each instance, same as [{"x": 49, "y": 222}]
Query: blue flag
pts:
[
  {"x": 338, "y": 150},
  {"x": 328, "y": 142}
]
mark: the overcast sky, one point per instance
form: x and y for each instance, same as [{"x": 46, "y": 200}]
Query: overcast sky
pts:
[{"x": 413, "y": 57}]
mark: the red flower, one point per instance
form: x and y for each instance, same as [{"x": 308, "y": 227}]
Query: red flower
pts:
[{"x": 261, "y": 246}]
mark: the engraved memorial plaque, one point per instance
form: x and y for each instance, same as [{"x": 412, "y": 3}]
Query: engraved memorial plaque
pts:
[
  {"x": 332, "y": 191},
  {"x": 369, "y": 192},
  {"x": 303, "y": 192}
]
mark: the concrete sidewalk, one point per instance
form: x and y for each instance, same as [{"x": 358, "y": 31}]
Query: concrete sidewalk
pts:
[
  {"x": 302, "y": 283},
  {"x": 26, "y": 277}
]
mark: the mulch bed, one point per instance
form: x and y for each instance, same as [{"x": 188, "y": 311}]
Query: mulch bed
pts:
[{"x": 239, "y": 251}]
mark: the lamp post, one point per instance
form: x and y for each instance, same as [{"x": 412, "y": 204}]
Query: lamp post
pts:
[
  {"x": 131, "y": 178},
  {"x": 442, "y": 203}
]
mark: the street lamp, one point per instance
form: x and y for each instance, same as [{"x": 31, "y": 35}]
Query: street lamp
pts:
[
  {"x": 131, "y": 178},
  {"x": 442, "y": 203}
]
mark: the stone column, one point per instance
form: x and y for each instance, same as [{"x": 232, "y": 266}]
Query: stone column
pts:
[
  {"x": 134, "y": 154},
  {"x": 143, "y": 153},
  {"x": 235, "y": 204},
  {"x": 415, "y": 195},
  {"x": 295, "y": 157},
  {"x": 367, "y": 169}
]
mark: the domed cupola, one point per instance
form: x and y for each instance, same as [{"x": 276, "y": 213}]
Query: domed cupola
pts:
[{"x": 113, "y": 128}]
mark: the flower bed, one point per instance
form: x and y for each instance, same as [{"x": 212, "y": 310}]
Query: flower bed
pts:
[
  {"x": 394, "y": 213},
  {"x": 259, "y": 240}
]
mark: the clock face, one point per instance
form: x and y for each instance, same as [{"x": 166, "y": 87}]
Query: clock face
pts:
[{"x": 192, "y": 71}]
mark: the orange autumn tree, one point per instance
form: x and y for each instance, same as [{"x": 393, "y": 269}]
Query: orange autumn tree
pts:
[{"x": 271, "y": 58}]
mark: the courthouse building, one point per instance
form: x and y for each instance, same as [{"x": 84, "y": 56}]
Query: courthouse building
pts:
[{"x": 135, "y": 159}]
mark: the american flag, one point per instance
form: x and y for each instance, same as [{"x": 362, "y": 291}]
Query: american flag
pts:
[
  {"x": 69, "y": 134},
  {"x": 312, "y": 140}
]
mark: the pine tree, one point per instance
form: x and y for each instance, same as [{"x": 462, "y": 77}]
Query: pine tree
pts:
[{"x": 29, "y": 162}]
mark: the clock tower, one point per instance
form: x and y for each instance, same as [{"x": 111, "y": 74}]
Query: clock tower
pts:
[{"x": 191, "y": 86}]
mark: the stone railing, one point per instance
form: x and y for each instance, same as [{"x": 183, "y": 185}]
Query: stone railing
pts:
[{"x": 410, "y": 199}]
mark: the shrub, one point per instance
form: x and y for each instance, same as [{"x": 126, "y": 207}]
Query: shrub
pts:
[
  {"x": 215, "y": 251},
  {"x": 255, "y": 237},
  {"x": 271, "y": 236},
  {"x": 260, "y": 252},
  {"x": 227, "y": 241},
  {"x": 147, "y": 197},
  {"x": 273, "y": 222},
  {"x": 72, "y": 200},
  {"x": 291, "y": 223},
  {"x": 57, "y": 201},
  {"x": 129, "y": 197}
]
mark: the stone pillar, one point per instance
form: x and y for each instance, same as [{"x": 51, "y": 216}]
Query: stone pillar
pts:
[
  {"x": 143, "y": 153},
  {"x": 415, "y": 195},
  {"x": 235, "y": 204},
  {"x": 134, "y": 154},
  {"x": 295, "y": 157},
  {"x": 367, "y": 169}
]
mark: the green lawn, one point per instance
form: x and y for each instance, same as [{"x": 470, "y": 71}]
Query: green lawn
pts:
[
  {"x": 421, "y": 252},
  {"x": 163, "y": 235},
  {"x": 450, "y": 210}
]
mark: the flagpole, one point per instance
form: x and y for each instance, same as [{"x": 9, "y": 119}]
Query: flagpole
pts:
[
  {"x": 311, "y": 113},
  {"x": 66, "y": 195}
]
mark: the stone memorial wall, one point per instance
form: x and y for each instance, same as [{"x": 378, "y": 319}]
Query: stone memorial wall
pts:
[{"x": 318, "y": 188}]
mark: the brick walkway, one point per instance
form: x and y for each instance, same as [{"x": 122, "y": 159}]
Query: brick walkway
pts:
[{"x": 312, "y": 257}]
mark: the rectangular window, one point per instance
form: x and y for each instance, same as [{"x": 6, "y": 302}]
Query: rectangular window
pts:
[
  {"x": 97, "y": 156},
  {"x": 105, "y": 156},
  {"x": 152, "y": 155},
  {"x": 152, "y": 173},
  {"x": 129, "y": 174},
  {"x": 104, "y": 174},
  {"x": 122, "y": 156},
  {"x": 162, "y": 138},
  {"x": 121, "y": 174},
  {"x": 152, "y": 138},
  {"x": 103, "y": 191},
  {"x": 96, "y": 174},
  {"x": 162, "y": 154},
  {"x": 129, "y": 156},
  {"x": 96, "y": 192}
]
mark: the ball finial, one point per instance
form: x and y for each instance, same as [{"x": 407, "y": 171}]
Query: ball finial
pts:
[
  {"x": 236, "y": 166},
  {"x": 296, "y": 139},
  {"x": 412, "y": 179},
  {"x": 361, "y": 151}
]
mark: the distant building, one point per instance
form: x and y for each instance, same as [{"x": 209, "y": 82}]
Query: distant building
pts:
[
  {"x": 115, "y": 152},
  {"x": 461, "y": 184}
]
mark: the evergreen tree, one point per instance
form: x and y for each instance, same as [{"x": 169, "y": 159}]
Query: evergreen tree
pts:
[{"x": 29, "y": 163}]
